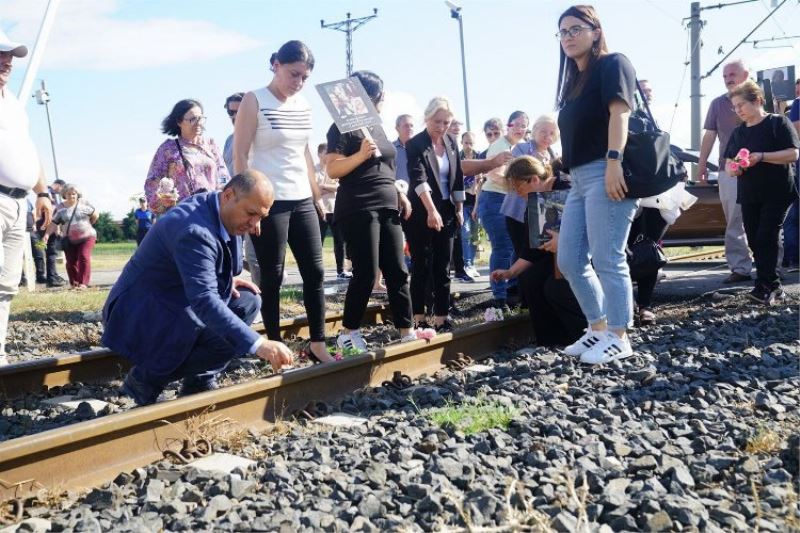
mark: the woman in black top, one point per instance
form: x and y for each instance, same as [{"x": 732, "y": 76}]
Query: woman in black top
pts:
[
  {"x": 595, "y": 98},
  {"x": 436, "y": 191},
  {"x": 367, "y": 210},
  {"x": 766, "y": 186},
  {"x": 556, "y": 317}
]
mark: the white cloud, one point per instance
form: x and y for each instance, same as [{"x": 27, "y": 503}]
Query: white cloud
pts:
[{"x": 87, "y": 36}]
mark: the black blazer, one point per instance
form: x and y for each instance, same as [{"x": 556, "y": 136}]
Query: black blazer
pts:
[{"x": 423, "y": 168}]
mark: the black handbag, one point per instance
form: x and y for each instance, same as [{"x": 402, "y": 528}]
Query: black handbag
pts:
[
  {"x": 645, "y": 257},
  {"x": 648, "y": 164},
  {"x": 65, "y": 242}
]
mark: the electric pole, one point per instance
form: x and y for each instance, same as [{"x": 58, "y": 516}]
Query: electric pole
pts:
[
  {"x": 348, "y": 26},
  {"x": 695, "y": 24},
  {"x": 43, "y": 98}
]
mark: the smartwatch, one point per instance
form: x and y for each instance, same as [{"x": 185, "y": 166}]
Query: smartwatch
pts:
[{"x": 613, "y": 155}]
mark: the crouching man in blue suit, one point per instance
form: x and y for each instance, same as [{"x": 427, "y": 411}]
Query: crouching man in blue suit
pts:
[{"x": 177, "y": 311}]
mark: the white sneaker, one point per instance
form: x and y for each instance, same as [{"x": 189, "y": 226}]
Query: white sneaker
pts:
[
  {"x": 610, "y": 349},
  {"x": 410, "y": 337},
  {"x": 4, "y": 360},
  {"x": 472, "y": 271},
  {"x": 590, "y": 338},
  {"x": 352, "y": 341}
]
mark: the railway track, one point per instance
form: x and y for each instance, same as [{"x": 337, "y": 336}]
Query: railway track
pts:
[
  {"x": 94, "y": 452},
  {"x": 98, "y": 366},
  {"x": 700, "y": 256}
]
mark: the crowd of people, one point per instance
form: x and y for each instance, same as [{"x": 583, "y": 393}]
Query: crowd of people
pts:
[{"x": 180, "y": 312}]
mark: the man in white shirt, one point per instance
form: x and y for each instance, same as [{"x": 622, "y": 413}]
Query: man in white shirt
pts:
[{"x": 20, "y": 171}]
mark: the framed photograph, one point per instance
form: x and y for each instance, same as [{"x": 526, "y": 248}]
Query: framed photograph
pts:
[
  {"x": 780, "y": 82},
  {"x": 544, "y": 213},
  {"x": 348, "y": 104}
]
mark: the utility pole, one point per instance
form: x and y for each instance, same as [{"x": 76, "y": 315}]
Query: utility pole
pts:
[
  {"x": 695, "y": 24},
  {"x": 43, "y": 98},
  {"x": 348, "y": 26},
  {"x": 38, "y": 50}
]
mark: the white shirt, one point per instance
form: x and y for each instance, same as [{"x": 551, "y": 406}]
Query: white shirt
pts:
[
  {"x": 279, "y": 145},
  {"x": 19, "y": 162}
]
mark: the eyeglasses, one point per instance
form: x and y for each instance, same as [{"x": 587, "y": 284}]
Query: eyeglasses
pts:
[
  {"x": 232, "y": 112},
  {"x": 492, "y": 133},
  {"x": 572, "y": 32},
  {"x": 195, "y": 120}
]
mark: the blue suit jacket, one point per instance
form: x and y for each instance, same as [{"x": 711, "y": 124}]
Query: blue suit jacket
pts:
[{"x": 177, "y": 283}]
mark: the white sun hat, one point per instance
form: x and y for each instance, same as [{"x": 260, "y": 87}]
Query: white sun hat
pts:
[{"x": 7, "y": 45}]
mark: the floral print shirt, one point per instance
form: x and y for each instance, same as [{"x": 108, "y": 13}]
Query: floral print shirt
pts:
[{"x": 207, "y": 170}]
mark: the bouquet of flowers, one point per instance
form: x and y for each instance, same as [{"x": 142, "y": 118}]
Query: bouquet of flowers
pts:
[
  {"x": 425, "y": 333},
  {"x": 166, "y": 189},
  {"x": 741, "y": 161},
  {"x": 492, "y": 314}
]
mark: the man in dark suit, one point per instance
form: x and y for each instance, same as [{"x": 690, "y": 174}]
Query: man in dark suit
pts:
[{"x": 177, "y": 311}]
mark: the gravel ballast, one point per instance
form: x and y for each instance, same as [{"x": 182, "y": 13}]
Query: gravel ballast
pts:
[{"x": 697, "y": 431}]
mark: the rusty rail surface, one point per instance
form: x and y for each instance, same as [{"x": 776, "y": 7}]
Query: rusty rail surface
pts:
[
  {"x": 93, "y": 452},
  {"x": 700, "y": 256},
  {"x": 104, "y": 365}
]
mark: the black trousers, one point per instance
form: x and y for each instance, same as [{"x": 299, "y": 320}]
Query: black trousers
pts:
[
  {"x": 140, "y": 233},
  {"x": 294, "y": 222},
  {"x": 338, "y": 240},
  {"x": 458, "y": 252},
  {"x": 651, "y": 224},
  {"x": 375, "y": 240},
  {"x": 430, "y": 256},
  {"x": 555, "y": 314},
  {"x": 519, "y": 237},
  {"x": 762, "y": 224},
  {"x": 44, "y": 261}
]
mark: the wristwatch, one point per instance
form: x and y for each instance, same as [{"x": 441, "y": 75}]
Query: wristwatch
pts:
[
  {"x": 43, "y": 195},
  {"x": 614, "y": 155}
]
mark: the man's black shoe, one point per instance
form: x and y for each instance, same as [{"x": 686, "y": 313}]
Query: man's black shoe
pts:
[
  {"x": 41, "y": 279},
  {"x": 142, "y": 393},
  {"x": 56, "y": 282},
  {"x": 193, "y": 385}
]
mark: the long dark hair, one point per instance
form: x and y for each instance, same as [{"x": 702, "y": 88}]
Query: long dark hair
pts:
[
  {"x": 293, "y": 52},
  {"x": 372, "y": 83},
  {"x": 571, "y": 81}
]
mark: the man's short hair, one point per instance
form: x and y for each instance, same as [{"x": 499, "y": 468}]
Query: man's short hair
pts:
[
  {"x": 323, "y": 147},
  {"x": 245, "y": 181},
  {"x": 235, "y": 97},
  {"x": 400, "y": 119},
  {"x": 59, "y": 182},
  {"x": 740, "y": 63}
]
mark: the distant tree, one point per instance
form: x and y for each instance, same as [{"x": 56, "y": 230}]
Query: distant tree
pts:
[
  {"x": 107, "y": 229},
  {"x": 129, "y": 226}
]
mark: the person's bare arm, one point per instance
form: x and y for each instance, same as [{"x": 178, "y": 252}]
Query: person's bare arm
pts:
[
  {"x": 244, "y": 132},
  {"x": 340, "y": 165},
  {"x": 705, "y": 150},
  {"x": 473, "y": 167}
]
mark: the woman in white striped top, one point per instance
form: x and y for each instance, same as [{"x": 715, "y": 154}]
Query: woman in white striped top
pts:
[{"x": 272, "y": 133}]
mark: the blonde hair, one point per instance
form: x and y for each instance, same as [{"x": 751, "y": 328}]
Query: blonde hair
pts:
[
  {"x": 439, "y": 103},
  {"x": 750, "y": 91},
  {"x": 525, "y": 168},
  {"x": 546, "y": 119}
]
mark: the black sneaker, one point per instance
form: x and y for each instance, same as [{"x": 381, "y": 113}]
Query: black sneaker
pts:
[
  {"x": 758, "y": 294},
  {"x": 142, "y": 393},
  {"x": 445, "y": 327},
  {"x": 422, "y": 325},
  {"x": 193, "y": 385},
  {"x": 56, "y": 282}
]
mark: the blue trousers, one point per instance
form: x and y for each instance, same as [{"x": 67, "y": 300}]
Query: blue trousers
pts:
[{"x": 211, "y": 353}]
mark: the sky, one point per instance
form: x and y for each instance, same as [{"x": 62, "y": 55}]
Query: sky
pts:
[{"x": 115, "y": 68}]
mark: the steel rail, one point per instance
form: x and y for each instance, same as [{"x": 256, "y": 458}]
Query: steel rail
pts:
[
  {"x": 102, "y": 365},
  {"x": 699, "y": 256},
  {"x": 93, "y": 452}
]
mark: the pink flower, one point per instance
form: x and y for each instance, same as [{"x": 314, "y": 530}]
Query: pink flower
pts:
[
  {"x": 425, "y": 333},
  {"x": 733, "y": 166},
  {"x": 338, "y": 356},
  {"x": 492, "y": 314},
  {"x": 744, "y": 153},
  {"x": 744, "y": 163}
]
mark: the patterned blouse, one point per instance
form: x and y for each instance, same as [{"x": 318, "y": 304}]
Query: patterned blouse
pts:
[{"x": 206, "y": 171}]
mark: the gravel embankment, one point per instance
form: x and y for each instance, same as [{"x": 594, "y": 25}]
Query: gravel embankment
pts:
[{"x": 698, "y": 431}]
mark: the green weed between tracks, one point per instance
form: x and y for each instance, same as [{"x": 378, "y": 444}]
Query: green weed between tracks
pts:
[{"x": 472, "y": 417}]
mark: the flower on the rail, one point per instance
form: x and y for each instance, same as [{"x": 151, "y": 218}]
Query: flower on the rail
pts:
[
  {"x": 425, "y": 333},
  {"x": 492, "y": 314}
]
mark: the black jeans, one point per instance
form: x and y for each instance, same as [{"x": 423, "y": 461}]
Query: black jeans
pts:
[
  {"x": 375, "y": 240},
  {"x": 555, "y": 314},
  {"x": 338, "y": 240},
  {"x": 140, "y": 233},
  {"x": 44, "y": 260},
  {"x": 650, "y": 224},
  {"x": 294, "y": 222},
  {"x": 762, "y": 224},
  {"x": 430, "y": 256},
  {"x": 519, "y": 237}
]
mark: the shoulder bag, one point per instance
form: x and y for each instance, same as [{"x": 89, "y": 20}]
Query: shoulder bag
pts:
[
  {"x": 65, "y": 242},
  {"x": 648, "y": 164}
]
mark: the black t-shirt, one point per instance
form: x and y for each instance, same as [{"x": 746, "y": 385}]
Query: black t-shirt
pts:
[
  {"x": 370, "y": 185},
  {"x": 765, "y": 182},
  {"x": 583, "y": 120}
]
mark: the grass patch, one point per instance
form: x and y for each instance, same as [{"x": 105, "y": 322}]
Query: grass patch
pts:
[
  {"x": 472, "y": 417},
  {"x": 112, "y": 255},
  {"x": 763, "y": 441},
  {"x": 48, "y": 305}
]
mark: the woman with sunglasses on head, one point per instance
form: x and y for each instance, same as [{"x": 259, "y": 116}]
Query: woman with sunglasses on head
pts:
[
  {"x": 271, "y": 134},
  {"x": 192, "y": 161},
  {"x": 595, "y": 96},
  {"x": 368, "y": 209},
  {"x": 493, "y": 192}
]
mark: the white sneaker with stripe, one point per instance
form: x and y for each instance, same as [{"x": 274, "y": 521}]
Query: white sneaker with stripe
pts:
[
  {"x": 352, "y": 341},
  {"x": 588, "y": 340},
  {"x": 610, "y": 349}
]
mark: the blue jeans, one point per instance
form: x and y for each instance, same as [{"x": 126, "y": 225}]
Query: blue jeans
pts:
[
  {"x": 591, "y": 247},
  {"x": 494, "y": 222},
  {"x": 210, "y": 355},
  {"x": 467, "y": 247}
]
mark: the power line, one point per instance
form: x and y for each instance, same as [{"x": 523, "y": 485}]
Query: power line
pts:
[{"x": 348, "y": 26}]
